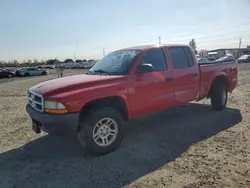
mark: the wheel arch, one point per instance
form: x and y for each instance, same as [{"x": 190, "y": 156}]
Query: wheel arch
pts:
[
  {"x": 116, "y": 102},
  {"x": 221, "y": 78}
]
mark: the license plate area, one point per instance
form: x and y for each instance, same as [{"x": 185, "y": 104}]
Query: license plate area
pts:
[{"x": 36, "y": 127}]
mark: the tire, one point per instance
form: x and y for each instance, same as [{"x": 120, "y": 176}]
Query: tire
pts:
[
  {"x": 43, "y": 73},
  {"x": 9, "y": 75},
  {"x": 89, "y": 128},
  {"x": 26, "y": 74},
  {"x": 219, "y": 96}
]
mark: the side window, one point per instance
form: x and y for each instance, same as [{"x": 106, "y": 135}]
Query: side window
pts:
[
  {"x": 179, "y": 58},
  {"x": 190, "y": 57},
  {"x": 156, "y": 58}
]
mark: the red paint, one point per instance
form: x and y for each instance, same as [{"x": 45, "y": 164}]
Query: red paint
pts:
[{"x": 142, "y": 93}]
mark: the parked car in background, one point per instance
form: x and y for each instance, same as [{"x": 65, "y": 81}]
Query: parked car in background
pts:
[
  {"x": 50, "y": 67},
  {"x": 225, "y": 58},
  {"x": 211, "y": 58},
  {"x": 202, "y": 60},
  {"x": 244, "y": 59},
  {"x": 89, "y": 65},
  {"x": 4, "y": 73},
  {"x": 32, "y": 72}
]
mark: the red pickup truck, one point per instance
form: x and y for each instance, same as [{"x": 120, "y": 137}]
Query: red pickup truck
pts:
[{"x": 126, "y": 84}]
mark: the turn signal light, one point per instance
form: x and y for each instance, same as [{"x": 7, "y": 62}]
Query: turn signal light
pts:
[{"x": 56, "y": 111}]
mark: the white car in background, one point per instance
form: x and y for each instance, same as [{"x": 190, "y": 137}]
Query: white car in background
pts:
[
  {"x": 202, "y": 60},
  {"x": 32, "y": 72}
]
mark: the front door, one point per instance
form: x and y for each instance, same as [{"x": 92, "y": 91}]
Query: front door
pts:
[{"x": 150, "y": 91}]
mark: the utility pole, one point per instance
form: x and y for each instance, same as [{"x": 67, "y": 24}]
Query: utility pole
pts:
[
  {"x": 159, "y": 40},
  {"x": 74, "y": 56},
  {"x": 240, "y": 41},
  {"x": 76, "y": 49},
  {"x": 103, "y": 52}
]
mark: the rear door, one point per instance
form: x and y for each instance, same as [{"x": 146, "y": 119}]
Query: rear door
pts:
[
  {"x": 185, "y": 74},
  {"x": 150, "y": 91}
]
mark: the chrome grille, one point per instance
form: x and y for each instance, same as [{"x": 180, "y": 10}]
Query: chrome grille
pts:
[{"x": 35, "y": 100}]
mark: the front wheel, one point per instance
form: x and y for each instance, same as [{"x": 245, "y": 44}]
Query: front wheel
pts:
[
  {"x": 9, "y": 75},
  {"x": 102, "y": 131},
  {"x": 219, "y": 96}
]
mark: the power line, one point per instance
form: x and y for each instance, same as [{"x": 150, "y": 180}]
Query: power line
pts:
[
  {"x": 217, "y": 29},
  {"x": 207, "y": 37},
  {"x": 220, "y": 40}
]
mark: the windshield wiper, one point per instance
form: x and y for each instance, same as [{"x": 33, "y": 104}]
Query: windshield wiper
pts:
[{"x": 101, "y": 71}]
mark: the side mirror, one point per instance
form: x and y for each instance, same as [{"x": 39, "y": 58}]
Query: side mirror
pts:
[{"x": 144, "y": 68}]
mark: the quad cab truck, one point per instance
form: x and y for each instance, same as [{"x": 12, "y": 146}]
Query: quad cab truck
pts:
[{"x": 126, "y": 84}]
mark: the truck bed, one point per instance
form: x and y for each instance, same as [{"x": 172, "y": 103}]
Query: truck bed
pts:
[{"x": 208, "y": 71}]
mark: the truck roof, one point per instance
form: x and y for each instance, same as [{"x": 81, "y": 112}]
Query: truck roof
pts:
[{"x": 146, "y": 47}]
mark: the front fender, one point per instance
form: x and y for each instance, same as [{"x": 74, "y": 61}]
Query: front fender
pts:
[{"x": 121, "y": 96}]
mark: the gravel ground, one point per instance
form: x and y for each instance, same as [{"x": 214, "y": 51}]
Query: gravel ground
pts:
[{"x": 189, "y": 146}]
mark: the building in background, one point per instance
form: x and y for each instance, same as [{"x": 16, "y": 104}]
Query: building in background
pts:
[
  {"x": 235, "y": 52},
  {"x": 203, "y": 53}
]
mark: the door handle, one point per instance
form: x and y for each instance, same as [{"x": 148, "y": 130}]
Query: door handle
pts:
[
  {"x": 195, "y": 75},
  {"x": 169, "y": 79}
]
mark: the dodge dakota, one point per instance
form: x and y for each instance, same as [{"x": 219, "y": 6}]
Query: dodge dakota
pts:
[{"x": 125, "y": 84}]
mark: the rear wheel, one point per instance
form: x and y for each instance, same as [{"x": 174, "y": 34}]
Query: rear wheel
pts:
[
  {"x": 101, "y": 132},
  {"x": 219, "y": 96},
  {"x": 9, "y": 75},
  {"x": 43, "y": 73}
]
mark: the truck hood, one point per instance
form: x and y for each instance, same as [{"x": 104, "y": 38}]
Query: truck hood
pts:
[{"x": 69, "y": 83}]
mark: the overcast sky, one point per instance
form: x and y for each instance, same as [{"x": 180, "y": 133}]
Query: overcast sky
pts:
[{"x": 56, "y": 29}]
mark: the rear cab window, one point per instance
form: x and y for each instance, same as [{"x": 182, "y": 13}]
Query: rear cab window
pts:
[{"x": 181, "y": 57}]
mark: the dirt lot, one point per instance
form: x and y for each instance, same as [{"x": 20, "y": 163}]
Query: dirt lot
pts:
[{"x": 189, "y": 146}]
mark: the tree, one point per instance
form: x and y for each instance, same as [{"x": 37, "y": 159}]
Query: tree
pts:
[
  {"x": 84, "y": 60},
  {"x": 79, "y": 61},
  {"x": 248, "y": 46},
  {"x": 68, "y": 61},
  {"x": 192, "y": 43},
  {"x": 50, "y": 62}
]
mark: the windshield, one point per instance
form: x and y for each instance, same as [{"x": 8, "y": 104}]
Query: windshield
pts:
[{"x": 117, "y": 63}]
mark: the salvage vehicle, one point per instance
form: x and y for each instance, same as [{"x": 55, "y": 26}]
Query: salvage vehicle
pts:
[
  {"x": 126, "y": 84},
  {"x": 244, "y": 59},
  {"x": 7, "y": 73},
  {"x": 32, "y": 71}
]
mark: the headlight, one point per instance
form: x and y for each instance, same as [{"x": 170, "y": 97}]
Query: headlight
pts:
[{"x": 54, "y": 107}]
